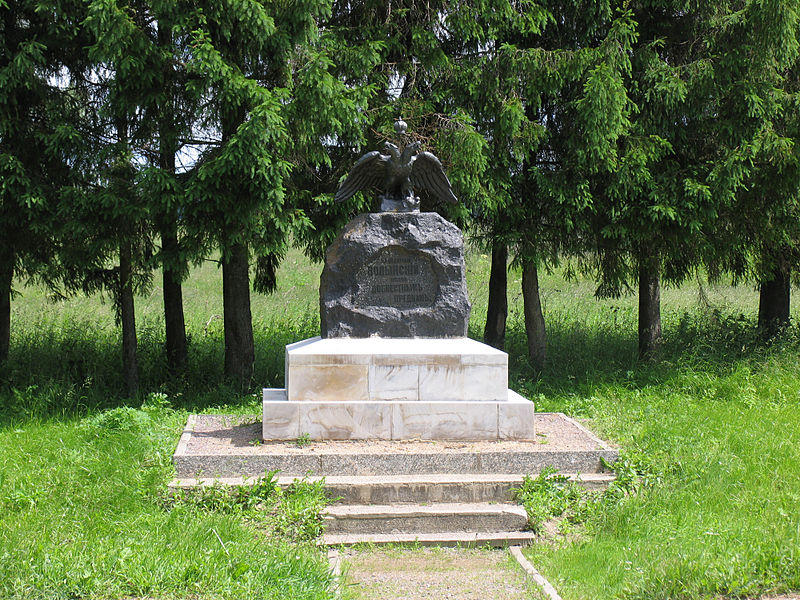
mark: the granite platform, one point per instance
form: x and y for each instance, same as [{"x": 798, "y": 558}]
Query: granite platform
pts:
[
  {"x": 231, "y": 446},
  {"x": 393, "y": 491}
]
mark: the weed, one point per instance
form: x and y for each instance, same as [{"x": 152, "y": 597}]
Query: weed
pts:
[
  {"x": 239, "y": 499},
  {"x": 123, "y": 418},
  {"x": 546, "y": 496},
  {"x": 303, "y": 440},
  {"x": 294, "y": 513},
  {"x": 300, "y": 512},
  {"x": 634, "y": 472},
  {"x": 156, "y": 402}
]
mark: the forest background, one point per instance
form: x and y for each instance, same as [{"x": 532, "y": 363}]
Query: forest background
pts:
[
  {"x": 639, "y": 143},
  {"x": 155, "y": 154}
]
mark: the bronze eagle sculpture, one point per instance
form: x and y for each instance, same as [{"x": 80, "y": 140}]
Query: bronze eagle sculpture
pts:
[{"x": 398, "y": 172}]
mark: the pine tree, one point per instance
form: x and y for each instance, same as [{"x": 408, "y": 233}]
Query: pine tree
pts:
[
  {"x": 263, "y": 73},
  {"x": 40, "y": 50}
]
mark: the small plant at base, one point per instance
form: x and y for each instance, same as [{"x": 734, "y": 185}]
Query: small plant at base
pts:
[
  {"x": 295, "y": 512},
  {"x": 546, "y": 496},
  {"x": 299, "y": 515},
  {"x": 156, "y": 402},
  {"x": 241, "y": 499},
  {"x": 121, "y": 418},
  {"x": 634, "y": 473},
  {"x": 303, "y": 440}
]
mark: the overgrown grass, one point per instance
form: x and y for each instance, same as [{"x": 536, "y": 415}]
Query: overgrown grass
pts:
[
  {"x": 711, "y": 505},
  {"x": 723, "y": 518},
  {"x": 293, "y": 513},
  {"x": 82, "y": 515}
]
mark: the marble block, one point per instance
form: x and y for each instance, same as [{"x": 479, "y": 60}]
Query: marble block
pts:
[
  {"x": 391, "y": 369},
  {"x": 515, "y": 418},
  {"x": 512, "y": 419},
  {"x": 444, "y": 420},
  {"x": 281, "y": 419}
]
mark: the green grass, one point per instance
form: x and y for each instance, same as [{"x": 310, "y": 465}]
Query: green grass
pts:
[
  {"x": 710, "y": 507},
  {"x": 83, "y": 515}
]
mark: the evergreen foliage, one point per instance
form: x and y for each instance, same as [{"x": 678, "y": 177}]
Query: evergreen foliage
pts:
[
  {"x": 39, "y": 47},
  {"x": 638, "y": 141}
]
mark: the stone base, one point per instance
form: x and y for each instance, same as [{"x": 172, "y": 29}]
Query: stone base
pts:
[
  {"x": 380, "y": 369},
  {"x": 395, "y": 275},
  {"x": 396, "y": 389},
  {"x": 220, "y": 446},
  {"x": 512, "y": 419}
]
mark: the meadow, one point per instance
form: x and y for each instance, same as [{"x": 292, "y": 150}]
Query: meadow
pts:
[{"x": 710, "y": 439}]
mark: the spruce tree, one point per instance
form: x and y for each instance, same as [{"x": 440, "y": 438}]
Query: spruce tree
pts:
[
  {"x": 40, "y": 53},
  {"x": 263, "y": 74}
]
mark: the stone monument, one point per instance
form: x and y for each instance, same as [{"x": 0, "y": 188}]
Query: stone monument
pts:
[
  {"x": 395, "y": 275},
  {"x": 393, "y": 361}
]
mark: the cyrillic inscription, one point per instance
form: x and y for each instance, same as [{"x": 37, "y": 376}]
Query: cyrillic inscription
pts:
[{"x": 397, "y": 278}]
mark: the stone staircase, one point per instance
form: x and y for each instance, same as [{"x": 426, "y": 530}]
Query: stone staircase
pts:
[{"x": 428, "y": 492}]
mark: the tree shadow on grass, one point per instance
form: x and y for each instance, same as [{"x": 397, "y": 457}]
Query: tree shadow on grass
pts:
[
  {"x": 583, "y": 357},
  {"x": 63, "y": 372}
]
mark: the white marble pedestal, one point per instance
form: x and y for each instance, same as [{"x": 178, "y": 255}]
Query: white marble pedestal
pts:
[{"x": 397, "y": 389}]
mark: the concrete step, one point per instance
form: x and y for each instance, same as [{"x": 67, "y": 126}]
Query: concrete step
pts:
[
  {"x": 231, "y": 446},
  {"x": 410, "y": 488},
  {"x": 424, "y": 519},
  {"x": 497, "y": 539}
]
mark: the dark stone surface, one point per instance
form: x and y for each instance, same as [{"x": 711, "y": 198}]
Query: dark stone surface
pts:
[{"x": 395, "y": 275}]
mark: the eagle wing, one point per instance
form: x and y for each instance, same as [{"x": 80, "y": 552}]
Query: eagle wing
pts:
[
  {"x": 369, "y": 171},
  {"x": 428, "y": 173}
]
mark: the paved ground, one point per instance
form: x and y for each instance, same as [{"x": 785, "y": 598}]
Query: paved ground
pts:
[
  {"x": 433, "y": 574},
  {"x": 241, "y": 435}
]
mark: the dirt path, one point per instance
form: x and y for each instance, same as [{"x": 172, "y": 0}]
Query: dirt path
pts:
[{"x": 433, "y": 574}]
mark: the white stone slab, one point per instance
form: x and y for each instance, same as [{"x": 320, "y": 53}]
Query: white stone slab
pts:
[
  {"x": 281, "y": 419},
  {"x": 413, "y": 350},
  {"x": 328, "y": 383},
  {"x": 444, "y": 420},
  {"x": 445, "y": 383},
  {"x": 291, "y": 349},
  {"x": 372, "y": 369},
  {"x": 400, "y": 420},
  {"x": 515, "y": 418},
  {"x": 346, "y": 421},
  {"x": 394, "y": 382}
]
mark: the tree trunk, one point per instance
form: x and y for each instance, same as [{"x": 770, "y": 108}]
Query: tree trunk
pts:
[
  {"x": 174, "y": 324},
  {"x": 494, "y": 333},
  {"x": 175, "y": 328},
  {"x": 534, "y": 319},
  {"x": 130, "y": 367},
  {"x": 649, "y": 307},
  {"x": 6, "y": 279},
  {"x": 239, "y": 345},
  {"x": 773, "y": 301}
]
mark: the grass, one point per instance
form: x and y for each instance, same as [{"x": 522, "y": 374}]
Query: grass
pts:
[{"x": 709, "y": 508}]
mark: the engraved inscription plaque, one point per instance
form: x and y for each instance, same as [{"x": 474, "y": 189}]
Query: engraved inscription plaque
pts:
[
  {"x": 399, "y": 278},
  {"x": 395, "y": 275}
]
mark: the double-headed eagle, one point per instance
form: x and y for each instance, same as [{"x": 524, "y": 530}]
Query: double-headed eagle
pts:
[{"x": 398, "y": 172}]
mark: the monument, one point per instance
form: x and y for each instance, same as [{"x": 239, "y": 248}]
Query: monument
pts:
[
  {"x": 445, "y": 440},
  {"x": 392, "y": 360}
]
